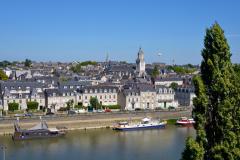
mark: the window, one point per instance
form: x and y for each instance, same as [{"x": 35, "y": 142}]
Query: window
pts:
[
  {"x": 80, "y": 97},
  {"x": 85, "y": 97},
  {"x": 71, "y": 87},
  {"x": 110, "y": 96},
  {"x": 101, "y": 97},
  {"x": 95, "y": 90},
  {"x": 114, "y": 96}
]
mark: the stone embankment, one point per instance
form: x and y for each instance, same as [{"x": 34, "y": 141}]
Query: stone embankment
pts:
[{"x": 88, "y": 120}]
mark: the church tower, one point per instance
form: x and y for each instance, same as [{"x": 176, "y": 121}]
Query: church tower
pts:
[{"x": 140, "y": 68}]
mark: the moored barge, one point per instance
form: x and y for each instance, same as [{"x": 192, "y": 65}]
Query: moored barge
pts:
[{"x": 41, "y": 130}]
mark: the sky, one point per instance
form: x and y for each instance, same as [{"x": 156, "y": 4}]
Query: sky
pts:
[{"x": 77, "y": 30}]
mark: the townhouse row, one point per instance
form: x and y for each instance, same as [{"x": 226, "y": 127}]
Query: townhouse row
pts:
[{"x": 129, "y": 97}]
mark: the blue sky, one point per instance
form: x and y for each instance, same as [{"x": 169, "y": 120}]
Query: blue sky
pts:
[{"x": 66, "y": 30}]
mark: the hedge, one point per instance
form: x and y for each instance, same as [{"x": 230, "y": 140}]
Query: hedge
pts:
[
  {"x": 32, "y": 105},
  {"x": 117, "y": 106},
  {"x": 13, "y": 106}
]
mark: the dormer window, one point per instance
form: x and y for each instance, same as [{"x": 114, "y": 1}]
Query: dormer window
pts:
[
  {"x": 71, "y": 87},
  {"x": 105, "y": 90},
  {"x": 19, "y": 87},
  {"x": 95, "y": 90},
  {"x": 90, "y": 91},
  {"x": 86, "y": 91},
  {"x": 65, "y": 87}
]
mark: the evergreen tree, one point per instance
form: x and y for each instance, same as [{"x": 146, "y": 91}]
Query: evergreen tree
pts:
[
  {"x": 216, "y": 107},
  {"x": 155, "y": 72}
]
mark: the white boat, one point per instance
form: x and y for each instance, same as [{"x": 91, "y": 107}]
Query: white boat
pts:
[{"x": 146, "y": 123}]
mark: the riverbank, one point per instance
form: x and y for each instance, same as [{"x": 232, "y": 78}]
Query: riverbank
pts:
[{"x": 90, "y": 121}]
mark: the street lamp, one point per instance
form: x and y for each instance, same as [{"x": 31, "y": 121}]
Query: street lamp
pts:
[{"x": 3, "y": 148}]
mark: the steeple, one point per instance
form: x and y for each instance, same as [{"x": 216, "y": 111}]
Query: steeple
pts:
[{"x": 140, "y": 68}]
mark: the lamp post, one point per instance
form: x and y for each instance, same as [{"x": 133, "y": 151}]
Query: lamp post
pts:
[{"x": 3, "y": 148}]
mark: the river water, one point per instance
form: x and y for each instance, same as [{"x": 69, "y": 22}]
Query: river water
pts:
[{"x": 102, "y": 144}]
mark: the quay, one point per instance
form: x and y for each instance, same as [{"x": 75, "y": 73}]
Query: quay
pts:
[{"x": 89, "y": 120}]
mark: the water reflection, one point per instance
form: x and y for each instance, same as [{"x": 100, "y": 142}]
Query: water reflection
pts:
[{"x": 103, "y": 144}]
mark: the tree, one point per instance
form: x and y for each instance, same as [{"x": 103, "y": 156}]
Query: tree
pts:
[
  {"x": 216, "y": 106},
  {"x": 69, "y": 104},
  {"x": 13, "y": 106},
  {"x": 3, "y": 76},
  {"x": 155, "y": 72},
  {"x": 32, "y": 105},
  {"x": 174, "y": 85},
  {"x": 94, "y": 102},
  {"x": 28, "y": 63}
]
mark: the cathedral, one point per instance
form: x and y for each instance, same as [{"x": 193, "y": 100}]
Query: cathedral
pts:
[{"x": 140, "y": 64}]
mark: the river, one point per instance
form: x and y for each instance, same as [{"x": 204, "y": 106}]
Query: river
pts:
[{"x": 102, "y": 144}]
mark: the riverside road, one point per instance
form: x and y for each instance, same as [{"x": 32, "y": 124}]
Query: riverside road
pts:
[{"x": 88, "y": 120}]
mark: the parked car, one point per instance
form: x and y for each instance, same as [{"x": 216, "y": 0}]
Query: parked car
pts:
[
  {"x": 100, "y": 111},
  {"x": 28, "y": 114},
  {"x": 138, "y": 109},
  {"x": 81, "y": 111},
  {"x": 19, "y": 115},
  {"x": 49, "y": 113},
  {"x": 71, "y": 112},
  {"x": 107, "y": 110}
]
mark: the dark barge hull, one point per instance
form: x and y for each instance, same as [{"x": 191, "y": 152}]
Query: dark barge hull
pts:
[{"x": 25, "y": 135}]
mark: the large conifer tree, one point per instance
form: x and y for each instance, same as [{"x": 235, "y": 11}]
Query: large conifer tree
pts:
[{"x": 216, "y": 107}]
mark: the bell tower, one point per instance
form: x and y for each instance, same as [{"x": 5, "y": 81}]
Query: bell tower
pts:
[{"x": 140, "y": 63}]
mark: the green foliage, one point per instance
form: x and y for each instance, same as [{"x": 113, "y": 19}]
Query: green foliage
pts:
[
  {"x": 32, "y": 105},
  {"x": 174, "y": 85},
  {"x": 69, "y": 104},
  {"x": 78, "y": 68},
  {"x": 117, "y": 106},
  {"x": 155, "y": 72},
  {"x": 79, "y": 105},
  {"x": 193, "y": 151},
  {"x": 217, "y": 103},
  {"x": 188, "y": 69},
  {"x": 5, "y": 64},
  {"x": 3, "y": 76},
  {"x": 28, "y": 63},
  {"x": 13, "y": 106},
  {"x": 94, "y": 102}
]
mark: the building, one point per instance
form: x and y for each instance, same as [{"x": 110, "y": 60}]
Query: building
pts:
[
  {"x": 167, "y": 81},
  {"x": 58, "y": 98},
  {"x": 185, "y": 95},
  {"x": 138, "y": 96},
  {"x": 140, "y": 64},
  {"x": 106, "y": 95},
  {"x": 21, "y": 92},
  {"x": 165, "y": 97}
]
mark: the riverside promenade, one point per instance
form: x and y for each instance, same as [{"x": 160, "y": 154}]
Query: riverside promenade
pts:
[{"x": 89, "y": 120}]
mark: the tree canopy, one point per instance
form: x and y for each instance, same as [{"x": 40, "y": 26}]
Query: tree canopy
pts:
[
  {"x": 216, "y": 106},
  {"x": 28, "y": 63},
  {"x": 94, "y": 102},
  {"x": 155, "y": 72},
  {"x": 3, "y": 76}
]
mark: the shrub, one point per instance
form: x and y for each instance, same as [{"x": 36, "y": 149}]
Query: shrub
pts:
[
  {"x": 117, "y": 106},
  {"x": 63, "y": 109},
  {"x": 32, "y": 105},
  {"x": 13, "y": 106}
]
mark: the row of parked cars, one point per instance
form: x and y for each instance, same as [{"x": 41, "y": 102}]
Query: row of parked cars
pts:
[{"x": 85, "y": 111}]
